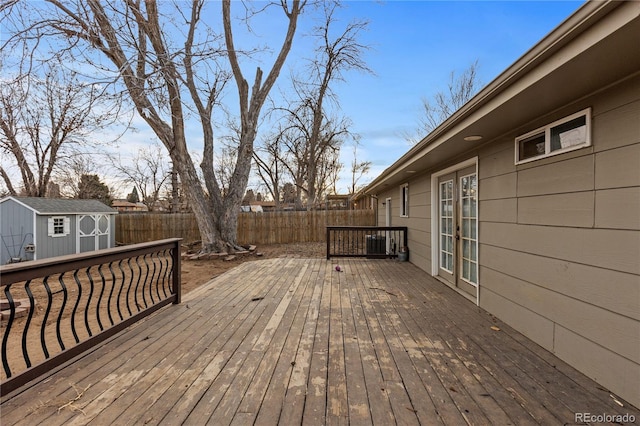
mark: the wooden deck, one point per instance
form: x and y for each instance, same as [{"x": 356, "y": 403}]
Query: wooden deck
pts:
[{"x": 292, "y": 341}]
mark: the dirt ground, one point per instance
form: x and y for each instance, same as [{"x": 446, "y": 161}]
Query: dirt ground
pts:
[{"x": 198, "y": 272}]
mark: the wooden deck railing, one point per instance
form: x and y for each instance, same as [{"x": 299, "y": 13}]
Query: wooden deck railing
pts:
[
  {"x": 54, "y": 309},
  {"x": 366, "y": 241}
]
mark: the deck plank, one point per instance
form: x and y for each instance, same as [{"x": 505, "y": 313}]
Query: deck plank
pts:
[
  {"x": 275, "y": 367},
  {"x": 293, "y": 341},
  {"x": 378, "y": 398},
  {"x": 316, "y": 395},
  {"x": 297, "y": 388}
]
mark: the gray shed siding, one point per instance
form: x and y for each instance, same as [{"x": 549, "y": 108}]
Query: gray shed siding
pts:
[
  {"x": 19, "y": 217},
  {"x": 47, "y": 246},
  {"x": 16, "y": 230},
  {"x": 559, "y": 239}
]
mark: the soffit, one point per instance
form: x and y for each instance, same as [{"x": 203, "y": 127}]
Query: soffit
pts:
[{"x": 590, "y": 62}]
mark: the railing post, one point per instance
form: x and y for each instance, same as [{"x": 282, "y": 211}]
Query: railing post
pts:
[
  {"x": 328, "y": 244},
  {"x": 177, "y": 284}
]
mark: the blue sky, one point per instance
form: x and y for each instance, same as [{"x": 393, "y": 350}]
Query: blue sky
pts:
[{"x": 415, "y": 47}]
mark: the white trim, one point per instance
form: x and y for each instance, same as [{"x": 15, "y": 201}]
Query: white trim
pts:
[
  {"x": 475, "y": 173},
  {"x": 546, "y": 131},
  {"x": 10, "y": 197},
  {"x": 51, "y": 227},
  {"x": 54, "y": 213},
  {"x": 404, "y": 199},
  {"x": 35, "y": 238},
  {"x": 435, "y": 243}
]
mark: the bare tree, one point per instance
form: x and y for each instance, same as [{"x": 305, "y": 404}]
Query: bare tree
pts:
[
  {"x": 71, "y": 169},
  {"x": 442, "y": 104},
  {"x": 358, "y": 170},
  {"x": 172, "y": 67},
  {"x": 45, "y": 119},
  {"x": 311, "y": 135},
  {"x": 270, "y": 168},
  {"x": 148, "y": 171}
]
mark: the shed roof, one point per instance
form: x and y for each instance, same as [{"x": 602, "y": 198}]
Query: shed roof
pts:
[{"x": 61, "y": 205}]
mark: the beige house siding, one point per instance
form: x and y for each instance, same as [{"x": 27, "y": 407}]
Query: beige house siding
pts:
[
  {"x": 559, "y": 239},
  {"x": 560, "y": 243},
  {"x": 418, "y": 220}
]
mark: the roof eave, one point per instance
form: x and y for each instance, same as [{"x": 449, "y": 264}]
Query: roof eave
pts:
[{"x": 575, "y": 24}]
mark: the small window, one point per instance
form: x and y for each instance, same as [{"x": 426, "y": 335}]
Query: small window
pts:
[
  {"x": 572, "y": 132},
  {"x": 58, "y": 226},
  {"x": 404, "y": 200}
]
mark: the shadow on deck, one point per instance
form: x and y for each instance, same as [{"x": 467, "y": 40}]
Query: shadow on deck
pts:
[{"x": 292, "y": 341}]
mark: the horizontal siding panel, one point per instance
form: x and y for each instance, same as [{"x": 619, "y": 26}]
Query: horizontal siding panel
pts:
[
  {"x": 618, "y": 333},
  {"x": 573, "y": 209},
  {"x": 621, "y": 94},
  {"x": 498, "y": 187},
  {"x": 534, "y": 326},
  {"x": 497, "y": 163},
  {"x": 599, "y": 363},
  {"x": 595, "y": 286},
  {"x": 617, "y": 128},
  {"x": 505, "y": 210},
  {"x": 611, "y": 249},
  {"x": 618, "y": 208},
  {"x": 610, "y": 173},
  {"x": 559, "y": 177},
  {"x": 418, "y": 202}
]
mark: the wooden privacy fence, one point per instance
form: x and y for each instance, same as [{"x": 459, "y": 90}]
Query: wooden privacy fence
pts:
[{"x": 253, "y": 228}]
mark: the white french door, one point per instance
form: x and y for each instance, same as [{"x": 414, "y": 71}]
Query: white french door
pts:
[{"x": 458, "y": 229}]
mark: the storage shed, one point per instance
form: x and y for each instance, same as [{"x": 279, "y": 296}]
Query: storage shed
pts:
[{"x": 36, "y": 228}]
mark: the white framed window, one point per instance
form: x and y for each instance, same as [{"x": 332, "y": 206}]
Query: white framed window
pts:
[
  {"x": 404, "y": 200},
  {"x": 568, "y": 134},
  {"x": 58, "y": 226}
]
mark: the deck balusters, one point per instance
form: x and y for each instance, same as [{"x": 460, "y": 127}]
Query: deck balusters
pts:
[
  {"x": 149, "y": 284},
  {"x": 110, "y": 300},
  {"x": 5, "y": 338},
  {"x": 61, "y": 312},
  {"x": 99, "y": 304},
  {"x": 120, "y": 290},
  {"x": 43, "y": 340},
  {"x": 25, "y": 352},
  {"x": 75, "y": 308},
  {"x": 89, "y": 298},
  {"x": 365, "y": 241}
]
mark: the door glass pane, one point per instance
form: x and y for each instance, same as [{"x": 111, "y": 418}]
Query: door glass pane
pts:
[
  {"x": 466, "y": 207},
  {"x": 474, "y": 273},
  {"x": 468, "y": 235},
  {"x": 446, "y": 225}
]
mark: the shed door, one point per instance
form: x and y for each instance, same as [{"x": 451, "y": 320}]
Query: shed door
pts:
[
  {"x": 93, "y": 232},
  {"x": 457, "y": 229}
]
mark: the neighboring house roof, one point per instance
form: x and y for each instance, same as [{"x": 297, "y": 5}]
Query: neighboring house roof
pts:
[
  {"x": 124, "y": 204},
  {"x": 592, "y": 49},
  {"x": 61, "y": 206}
]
